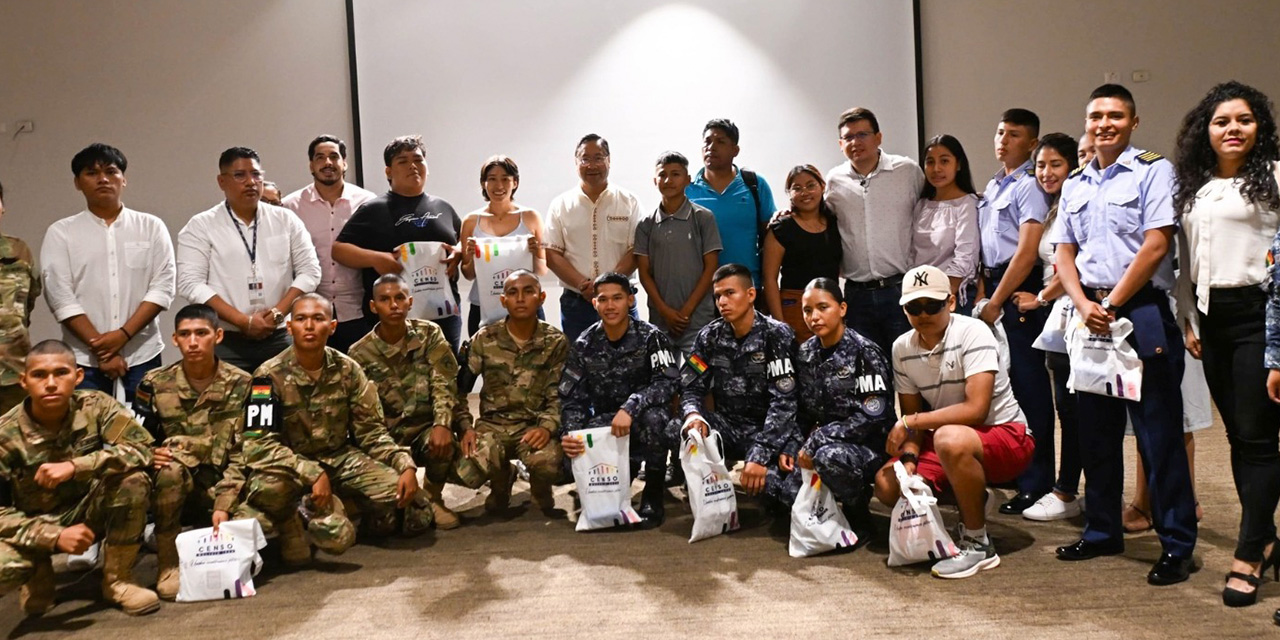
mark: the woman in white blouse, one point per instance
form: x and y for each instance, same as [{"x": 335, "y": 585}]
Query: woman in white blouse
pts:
[
  {"x": 946, "y": 219},
  {"x": 1230, "y": 207}
]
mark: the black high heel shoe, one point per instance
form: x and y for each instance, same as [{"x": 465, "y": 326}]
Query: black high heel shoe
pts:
[{"x": 1235, "y": 598}]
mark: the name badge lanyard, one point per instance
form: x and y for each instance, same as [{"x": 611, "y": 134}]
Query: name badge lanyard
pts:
[{"x": 252, "y": 250}]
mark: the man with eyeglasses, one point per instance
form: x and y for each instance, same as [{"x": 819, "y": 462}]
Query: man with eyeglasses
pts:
[
  {"x": 973, "y": 432},
  {"x": 108, "y": 272},
  {"x": 591, "y": 230},
  {"x": 248, "y": 260},
  {"x": 874, "y": 197}
]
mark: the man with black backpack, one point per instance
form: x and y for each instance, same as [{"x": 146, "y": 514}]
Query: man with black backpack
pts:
[{"x": 740, "y": 199}]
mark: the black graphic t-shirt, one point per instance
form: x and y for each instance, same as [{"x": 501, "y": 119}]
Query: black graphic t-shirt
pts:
[{"x": 390, "y": 220}]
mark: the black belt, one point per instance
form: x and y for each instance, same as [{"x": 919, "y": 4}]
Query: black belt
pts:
[
  {"x": 994, "y": 273},
  {"x": 879, "y": 283},
  {"x": 1148, "y": 294}
]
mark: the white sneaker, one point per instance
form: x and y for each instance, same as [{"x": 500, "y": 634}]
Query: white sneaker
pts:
[
  {"x": 84, "y": 561},
  {"x": 1050, "y": 507}
]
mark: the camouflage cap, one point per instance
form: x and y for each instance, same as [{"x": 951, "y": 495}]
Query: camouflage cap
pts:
[{"x": 329, "y": 529}]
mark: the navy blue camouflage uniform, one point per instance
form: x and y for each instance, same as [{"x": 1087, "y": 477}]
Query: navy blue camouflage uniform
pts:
[
  {"x": 637, "y": 373},
  {"x": 752, "y": 382},
  {"x": 845, "y": 398}
]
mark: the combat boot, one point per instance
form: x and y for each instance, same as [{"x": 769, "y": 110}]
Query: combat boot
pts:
[
  {"x": 117, "y": 580},
  {"x": 500, "y": 489},
  {"x": 444, "y": 516},
  {"x": 294, "y": 548},
  {"x": 36, "y": 596},
  {"x": 167, "y": 561},
  {"x": 543, "y": 500},
  {"x": 652, "y": 511}
]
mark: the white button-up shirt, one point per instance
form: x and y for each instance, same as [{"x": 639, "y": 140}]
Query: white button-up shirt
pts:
[
  {"x": 340, "y": 284},
  {"x": 213, "y": 260},
  {"x": 874, "y": 213},
  {"x": 104, "y": 272},
  {"x": 593, "y": 236}
]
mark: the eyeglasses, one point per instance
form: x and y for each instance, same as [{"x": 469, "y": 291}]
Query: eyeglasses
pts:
[
  {"x": 244, "y": 176},
  {"x": 586, "y": 160},
  {"x": 860, "y": 136},
  {"x": 927, "y": 307},
  {"x": 810, "y": 188}
]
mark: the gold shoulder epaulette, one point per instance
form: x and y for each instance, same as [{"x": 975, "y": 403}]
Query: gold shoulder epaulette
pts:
[
  {"x": 1075, "y": 172},
  {"x": 1148, "y": 157},
  {"x": 1031, "y": 171}
]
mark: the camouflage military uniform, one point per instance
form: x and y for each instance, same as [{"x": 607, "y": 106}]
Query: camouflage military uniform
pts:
[
  {"x": 109, "y": 491},
  {"x": 417, "y": 383},
  {"x": 638, "y": 374},
  {"x": 19, "y": 288},
  {"x": 845, "y": 413},
  {"x": 337, "y": 421},
  {"x": 753, "y": 383},
  {"x": 197, "y": 428},
  {"x": 519, "y": 393}
]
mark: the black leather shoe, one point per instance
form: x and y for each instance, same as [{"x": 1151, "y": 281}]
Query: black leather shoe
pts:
[
  {"x": 652, "y": 511},
  {"x": 1170, "y": 569},
  {"x": 1085, "y": 550},
  {"x": 1018, "y": 504}
]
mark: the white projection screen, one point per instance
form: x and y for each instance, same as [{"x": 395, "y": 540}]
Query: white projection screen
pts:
[{"x": 528, "y": 78}]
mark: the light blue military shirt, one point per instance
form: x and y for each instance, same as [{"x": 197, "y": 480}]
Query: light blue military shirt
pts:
[
  {"x": 1009, "y": 201},
  {"x": 1108, "y": 212}
]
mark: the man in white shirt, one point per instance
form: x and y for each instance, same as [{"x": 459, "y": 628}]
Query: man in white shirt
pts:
[
  {"x": 590, "y": 230},
  {"x": 248, "y": 260},
  {"x": 108, "y": 273},
  {"x": 874, "y": 197},
  {"x": 974, "y": 434},
  {"x": 324, "y": 206}
]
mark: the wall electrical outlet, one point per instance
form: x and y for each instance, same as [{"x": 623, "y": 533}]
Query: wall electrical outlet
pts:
[
  {"x": 1141, "y": 75},
  {"x": 25, "y": 126},
  {"x": 1110, "y": 77}
]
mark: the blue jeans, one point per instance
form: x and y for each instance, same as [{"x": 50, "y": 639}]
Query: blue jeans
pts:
[
  {"x": 876, "y": 314},
  {"x": 577, "y": 313},
  {"x": 97, "y": 379}
]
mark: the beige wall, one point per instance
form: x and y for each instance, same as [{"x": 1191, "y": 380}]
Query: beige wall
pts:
[
  {"x": 171, "y": 84},
  {"x": 981, "y": 57}
]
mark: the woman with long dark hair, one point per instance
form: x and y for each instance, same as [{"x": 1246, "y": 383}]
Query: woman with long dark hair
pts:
[
  {"x": 946, "y": 223},
  {"x": 1230, "y": 206},
  {"x": 1054, "y": 159},
  {"x": 800, "y": 245}
]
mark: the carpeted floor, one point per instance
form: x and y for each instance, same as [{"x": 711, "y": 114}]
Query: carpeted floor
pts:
[{"x": 528, "y": 576}]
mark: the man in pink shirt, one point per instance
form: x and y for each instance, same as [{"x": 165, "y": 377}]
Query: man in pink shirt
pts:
[{"x": 324, "y": 206}]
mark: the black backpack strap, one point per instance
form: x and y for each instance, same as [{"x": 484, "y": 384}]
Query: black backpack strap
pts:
[{"x": 752, "y": 181}]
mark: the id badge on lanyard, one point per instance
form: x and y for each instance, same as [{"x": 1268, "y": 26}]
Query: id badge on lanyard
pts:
[{"x": 257, "y": 288}]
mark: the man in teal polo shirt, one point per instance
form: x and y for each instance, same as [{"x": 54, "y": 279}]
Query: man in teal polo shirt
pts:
[{"x": 726, "y": 190}]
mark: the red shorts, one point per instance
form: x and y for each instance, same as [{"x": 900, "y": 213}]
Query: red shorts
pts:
[{"x": 1006, "y": 452}]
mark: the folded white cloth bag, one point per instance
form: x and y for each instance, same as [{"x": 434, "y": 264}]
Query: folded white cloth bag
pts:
[
  {"x": 711, "y": 494},
  {"x": 1054, "y": 336},
  {"x": 425, "y": 271},
  {"x": 494, "y": 260},
  {"x": 916, "y": 531},
  {"x": 219, "y": 566},
  {"x": 1104, "y": 364},
  {"x": 603, "y": 475},
  {"x": 817, "y": 524}
]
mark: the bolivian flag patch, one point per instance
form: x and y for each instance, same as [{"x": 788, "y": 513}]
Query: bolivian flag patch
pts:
[
  {"x": 698, "y": 364},
  {"x": 260, "y": 392},
  {"x": 1271, "y": 258}
]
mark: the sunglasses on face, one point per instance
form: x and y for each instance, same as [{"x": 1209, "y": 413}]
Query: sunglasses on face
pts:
[{"x": 928, "y": 307}]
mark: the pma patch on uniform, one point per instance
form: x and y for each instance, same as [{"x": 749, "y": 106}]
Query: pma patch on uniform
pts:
[{"x": 873, "y": 405}]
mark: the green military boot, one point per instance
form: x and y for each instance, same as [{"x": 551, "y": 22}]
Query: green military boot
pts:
[
  {"x": 294, "y": 548},
  {"x": 444, "y": 516},
  {"x": 36, "y": 596}
]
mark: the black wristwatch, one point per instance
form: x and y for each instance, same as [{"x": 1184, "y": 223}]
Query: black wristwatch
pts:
[{"x": 909, "y": 457}]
